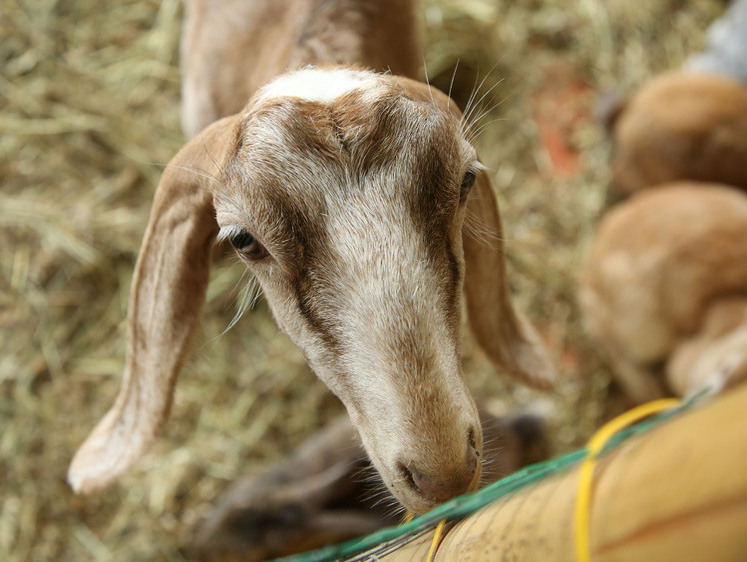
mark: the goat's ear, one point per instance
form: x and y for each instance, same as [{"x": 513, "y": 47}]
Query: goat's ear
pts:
[
  {"x": 506, "y": 336},
  {"x": 168, "y": 291}
]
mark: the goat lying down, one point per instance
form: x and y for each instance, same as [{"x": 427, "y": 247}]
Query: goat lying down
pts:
[
  {"x": 665, "y": 289},
  {"x": 345, "y": 192},
  {"x": 679, "y": 126},
  {"x": 689, "y": 124}
]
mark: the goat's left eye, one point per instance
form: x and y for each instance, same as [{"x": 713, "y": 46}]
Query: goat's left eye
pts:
[
  {"x": 246, "y": 244},
  {"x": 468, "y": 182}
]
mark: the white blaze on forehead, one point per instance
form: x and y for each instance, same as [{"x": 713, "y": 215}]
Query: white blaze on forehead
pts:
[
  {"x": 384, "y": 283},
  {"x": 323, "y": 86}
]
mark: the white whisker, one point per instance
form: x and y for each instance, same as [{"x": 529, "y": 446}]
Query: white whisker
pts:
[
  {"x": 476, "y": 228},
  {"x": 427, "y": 81},
  {"x": 451, "y": 84},
  {"x": 248, "y": 298},
  {"x": 227, "y": 232},
  {"x": 472, "y": 104}
]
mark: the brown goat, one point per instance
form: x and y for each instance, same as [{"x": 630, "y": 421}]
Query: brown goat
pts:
[
  {"x": 680, "y": 126},
  {"x": 345, "y": 191},
  {"x": 665, "y": 289}
]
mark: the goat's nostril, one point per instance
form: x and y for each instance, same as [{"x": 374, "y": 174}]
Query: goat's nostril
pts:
[
  {"x": 408, "y": 476},
  {"x": 472, "y": 441},
  {"x": 439, "y": 489}
]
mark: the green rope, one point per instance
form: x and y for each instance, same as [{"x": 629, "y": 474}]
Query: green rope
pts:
[{"x": 467, "y": 504}]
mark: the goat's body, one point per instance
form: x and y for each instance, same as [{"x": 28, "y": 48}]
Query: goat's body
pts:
[
  {"x": 667, "y": 277},
  {"x": 222, "y": 66},
  {"x": 681, "y": 126},
  {"x": 345, "y": 191}
]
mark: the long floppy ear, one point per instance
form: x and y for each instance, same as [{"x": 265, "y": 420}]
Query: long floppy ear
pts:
[
  {"x": 168, "y": 291},
  {"x": 506, "y": 336}
]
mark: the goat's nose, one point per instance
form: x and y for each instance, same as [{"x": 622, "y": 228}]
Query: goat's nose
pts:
[{"x": 437, "y": 488}]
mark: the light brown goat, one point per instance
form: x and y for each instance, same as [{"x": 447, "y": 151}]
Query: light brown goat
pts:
[
  {"x": 231, "y": 48},
  {"x": 665, "y": 289},
  {"x": 345, "y": 191},
  {"x": 680, "y": 126}
]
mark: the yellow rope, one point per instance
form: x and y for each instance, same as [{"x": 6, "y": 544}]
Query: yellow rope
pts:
[
  {"x": 436, "y": 537},
  {"x": 586, "y": 472},
  {"x": 436, "y": 540}
]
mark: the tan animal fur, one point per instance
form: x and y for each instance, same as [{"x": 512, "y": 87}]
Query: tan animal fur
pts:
[
  {"x": 224, "y": 59},
  {"x": 345, "y": 192},
  {"x": 666, "y": 284},
  {"x": 680, "y": 126}
]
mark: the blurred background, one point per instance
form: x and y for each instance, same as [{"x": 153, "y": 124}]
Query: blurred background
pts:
[{"x": 89, "y": 115}]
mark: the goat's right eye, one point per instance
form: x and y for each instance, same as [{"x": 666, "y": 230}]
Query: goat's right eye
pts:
[
  {"x": 247, "y": 245},
  {"x": 468, "y": 182}
]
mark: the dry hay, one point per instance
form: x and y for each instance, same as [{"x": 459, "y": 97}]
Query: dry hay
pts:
[{"x": 89, "y": 93}]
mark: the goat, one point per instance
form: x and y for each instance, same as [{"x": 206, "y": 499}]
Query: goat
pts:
[
  {"x": 689, "y": 124},
  {"x": 665, "y": 289},
  {"x": 230, "y": 48},
  {"x": 679, "y": 126},
  {"x": 345, "y": 192}
]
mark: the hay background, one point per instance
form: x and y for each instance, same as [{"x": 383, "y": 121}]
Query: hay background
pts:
[{"x": 89, "y": 111}]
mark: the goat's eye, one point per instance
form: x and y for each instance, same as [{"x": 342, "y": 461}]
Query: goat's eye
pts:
[
  {"x": 247, "y": 245},
  {"x": 468, "y": 182}
]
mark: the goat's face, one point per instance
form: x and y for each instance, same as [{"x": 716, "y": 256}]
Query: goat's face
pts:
[
  {"x": 348, "y": 208},
  {"x": 344, "y": 191}
]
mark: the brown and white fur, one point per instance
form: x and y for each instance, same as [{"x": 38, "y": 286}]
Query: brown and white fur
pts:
[
  {"x": 345, "y": 192},
  {"x": 664, "y": 292}
]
